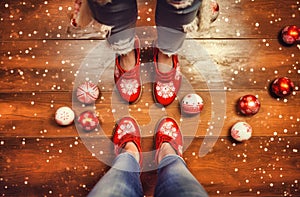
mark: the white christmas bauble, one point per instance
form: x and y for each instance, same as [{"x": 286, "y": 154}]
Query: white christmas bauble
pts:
[
  {"x": 241, "y": 131},
  {"x": 64, "y": 116},
  {"x": 192, "y": 104},
  {"x": 87, "y": 93}
]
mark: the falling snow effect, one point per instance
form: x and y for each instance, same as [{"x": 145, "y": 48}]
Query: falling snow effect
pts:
[{"x": 39, "y": 65}]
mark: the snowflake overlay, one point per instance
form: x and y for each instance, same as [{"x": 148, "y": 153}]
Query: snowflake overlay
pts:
[
  {"x": 125, "y": 128},
  {"x": 169, "y": 129},
  {"x": 165, "y": 90},
  {"x": 129, "y": 86}
]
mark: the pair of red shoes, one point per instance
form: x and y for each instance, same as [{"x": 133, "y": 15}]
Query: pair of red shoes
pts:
[
  {"x": 127, "y": 130},
  {"x": 165, "y": 87}
]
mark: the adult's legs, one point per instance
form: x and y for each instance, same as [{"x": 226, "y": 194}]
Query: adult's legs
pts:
[
  {"x": 173, "y": 18},
  {"x": 120, "y": 18},
  {"x": 123, "y": 179},
  {"x": 174, "y": 179}
]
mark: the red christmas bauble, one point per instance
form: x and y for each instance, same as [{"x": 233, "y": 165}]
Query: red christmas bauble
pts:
[
  {"x": 282, "y": 87},
  {"x": 290, "y": 34},
  {"x": 248, "y": 105},
  {"x": 88, "y": 120}
]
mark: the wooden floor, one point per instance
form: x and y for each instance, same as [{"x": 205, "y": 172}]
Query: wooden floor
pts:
[{"x": 40, "y": 60}]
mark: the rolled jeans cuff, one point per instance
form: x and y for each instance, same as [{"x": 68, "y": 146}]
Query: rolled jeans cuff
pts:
[
  {"x": 126, "y": 162},
  {"x": 121, "y": 47},
  {"x": 168, "y": 159},
  {"x": 169, "y": 41}
]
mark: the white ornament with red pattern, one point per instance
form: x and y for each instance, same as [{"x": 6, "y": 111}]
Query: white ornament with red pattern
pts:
[
  {"x": 192, "y": 104},
  {"x": 241, "y": 131},
  {"x": 87, "y": 93},
  {"x": 64, "y": 116}
]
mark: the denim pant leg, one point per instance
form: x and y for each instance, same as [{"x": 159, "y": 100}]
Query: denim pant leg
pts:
[
  {"x": 120, "y": 16},
  {"x": 174, "y": 179},
  {"x": 171, "y": 17},
  {"x": 123, "y": 179}
]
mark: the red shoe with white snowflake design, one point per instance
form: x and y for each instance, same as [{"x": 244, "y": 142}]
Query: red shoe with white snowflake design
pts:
[
  {"x": 168, "y": 131},
  {"x": 129, "y": 82},
  {"x": 127, "y": 130},
  {"x": 166, "y": 85}
]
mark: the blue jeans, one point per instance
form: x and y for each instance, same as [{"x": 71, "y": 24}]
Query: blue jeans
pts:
[
  {"x": 123, "y": 179},
  {"x": 172, "y": 18}
]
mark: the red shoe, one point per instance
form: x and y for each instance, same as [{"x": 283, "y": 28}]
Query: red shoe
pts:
[
  {"x": 168, "y": 131},
  {"x": 166, "y": 85},
  {"x": 127, "y": 130},
  {"x": 129, "y": 82}
]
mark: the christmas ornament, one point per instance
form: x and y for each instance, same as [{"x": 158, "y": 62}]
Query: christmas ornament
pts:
[
  {"x": 192, "y": 104},
  {"x": 88, "y": 120},
  {"x": 241, "y": 131},
  {"x": 214, "y": 10},
  {"x": 87, "y": 93},
  {"x": 282, "y": 87},
  {"x": 290, "y": 34},
  {"x": 248, "y": 105},
  {"x": 75, "y": 15},
  {"x": 64, "y": 116}
]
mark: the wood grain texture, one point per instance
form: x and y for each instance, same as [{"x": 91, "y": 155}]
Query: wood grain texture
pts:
[
  {"x": 237, "y": 19},
  {"x": 63, "y": 166},
  {"x": 60, "y": 65},
  {"x": 43, "y": 60},
  {"x": 18, "y": 110}
]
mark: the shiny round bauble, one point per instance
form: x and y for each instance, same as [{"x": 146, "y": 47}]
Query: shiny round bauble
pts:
[
  {"x": 88, "y": 120},
  {"x": 282, "y": 87},
  {"x": 248, "y": 105}
]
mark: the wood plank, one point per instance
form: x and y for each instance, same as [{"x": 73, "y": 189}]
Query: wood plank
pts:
[
  {"x": 41, "y": 61},
  {"x": 18, "y": 110},
  {"x": 238, "y": 19},
  {"x": 206, "y": 64},
  {"x": 262, "y": 166}
]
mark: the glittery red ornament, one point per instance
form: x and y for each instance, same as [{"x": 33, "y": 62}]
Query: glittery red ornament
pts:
[
  {"x": 282, "y": 87},
  {"x": 88, "y": 120},
  {"x": 248, "y": 105},
  {"x": 290, "y": 34}
]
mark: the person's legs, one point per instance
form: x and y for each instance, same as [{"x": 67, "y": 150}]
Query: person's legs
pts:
[
  {"x": 173, "y": 19},
  {"x": 174, "y": 179},
  {"x": 120, "y": 18},
  {"x": 123, "y": 179}
]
